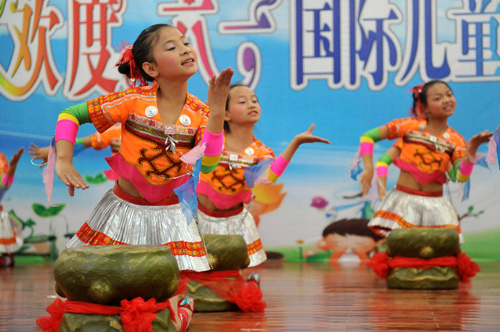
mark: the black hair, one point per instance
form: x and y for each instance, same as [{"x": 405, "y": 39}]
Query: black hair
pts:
[
  {"x": 413, "y": 110},
  {"x": 235, "y": 85},
  {"x": 351, "y": 226},
  {"x": 427, "y": 86},
  {"x": 142, "y": 51}
]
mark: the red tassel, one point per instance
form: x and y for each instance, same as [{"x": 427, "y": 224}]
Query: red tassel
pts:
[
  {"x": 135, "y": 315},
  {"x": 466, "y": 267},
  {"x": 381, "y": 264}
]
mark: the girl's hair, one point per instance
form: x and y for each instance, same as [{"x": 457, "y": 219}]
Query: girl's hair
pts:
[
  {"x": 142, "y": 52},
  {"x": 427, "y": 86},
  {"x": 414, "y": 107},
  {"x": 226, "y": 125}
]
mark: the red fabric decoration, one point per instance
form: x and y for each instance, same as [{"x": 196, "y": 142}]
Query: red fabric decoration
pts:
[
  {"x": 381, "y": 264},
  {"x": 416, "y": 90},
  {"x": 135, "y": 315},
  {"x": 246, "y": 295},
  {"x": 127, "y": 56}
]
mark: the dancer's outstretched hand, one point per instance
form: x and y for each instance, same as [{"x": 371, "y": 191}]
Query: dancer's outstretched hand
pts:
[
  {"x": 479, "y": 139},
  {"x": 15, "y": 158},
  {"x": 475, "y": 142},
  {"x": 70, "y": 176},
  {"x": 382, "y": 185},
  {"x": 218, "y": 90},
  {"x": 365, "y": 180},
  {"x": 308, "y": 137},
  {"x": 39, "y": 153}
]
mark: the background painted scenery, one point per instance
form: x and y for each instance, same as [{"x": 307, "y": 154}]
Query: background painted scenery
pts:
[{"x": 344, "y": 65}]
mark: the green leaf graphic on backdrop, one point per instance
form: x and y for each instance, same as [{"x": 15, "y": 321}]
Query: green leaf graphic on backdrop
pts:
[
  {"x": 44, "y": 212},
  {"x": 98, "y": 179}
]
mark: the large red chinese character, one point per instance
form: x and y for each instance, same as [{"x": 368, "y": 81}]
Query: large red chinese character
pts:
[
  {"x": 91, "y": 57},
  {"x": 31, "y": 24}
]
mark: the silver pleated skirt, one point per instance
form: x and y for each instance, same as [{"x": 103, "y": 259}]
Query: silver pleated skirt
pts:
[
  {"x": 117, "y": 221},
  {"x": 240, "y": 224},
  {"x": 11, "y": 236},
  {"x": 403, "y": 210}
]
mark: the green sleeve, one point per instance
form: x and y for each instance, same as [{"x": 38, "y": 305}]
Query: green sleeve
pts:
[
  {"x": 452, "y": 173},
  {"x": 79, "y": 111},
  {"x": 386, "y": 159},
  {"x": 374, "y": 134}
]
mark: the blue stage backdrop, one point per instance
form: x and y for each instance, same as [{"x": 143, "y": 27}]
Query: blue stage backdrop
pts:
[{"x": 345, "y": 66}]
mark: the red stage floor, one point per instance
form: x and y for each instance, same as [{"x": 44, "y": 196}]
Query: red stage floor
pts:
[{"x": 300, "y": 297}]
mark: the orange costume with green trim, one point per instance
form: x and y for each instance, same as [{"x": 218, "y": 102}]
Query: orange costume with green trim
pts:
[
  {"x": 426, "y": 157},
  {"x": 226, "y": 185},
  {"x": 155, "y": 168}
]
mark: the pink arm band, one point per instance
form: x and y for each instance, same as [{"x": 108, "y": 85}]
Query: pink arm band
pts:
[
  {"x": 214, "y": 143},
  {"x": 366, "y": 148},
  {"x": 382, "y": 170},
  {"x": 278, "y": 166},
  {"x": 66, "y": 130},
  {"x": 7, "y": 181},
  {"x": 466, "y": 168}
]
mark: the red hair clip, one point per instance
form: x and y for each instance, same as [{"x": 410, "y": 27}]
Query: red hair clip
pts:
[
  {"x": 127, "y": 56},
  {"x": 416, "y": 91}
]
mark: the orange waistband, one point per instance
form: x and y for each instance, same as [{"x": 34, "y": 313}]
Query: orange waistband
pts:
[
  {"x": 419, "y": 192},
  {"x": 220, "y": 214},
  {"x": 171, "y": 200}
]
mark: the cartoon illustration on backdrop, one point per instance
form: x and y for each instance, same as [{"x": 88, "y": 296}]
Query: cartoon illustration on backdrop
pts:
[
  {"x": 42, "y": 244},
  {"x": 347, "y": 233}
]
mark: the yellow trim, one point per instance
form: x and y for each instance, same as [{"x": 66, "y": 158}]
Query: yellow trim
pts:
[
  {"x": 462, "y": 178},
  {"x": 67, "y": 116},
  {"x": 381, "y": 163},
  {"x": 210, "y": 160},
  {"x": 364, "y": 139},
  {"x": 272, "y": 177}
]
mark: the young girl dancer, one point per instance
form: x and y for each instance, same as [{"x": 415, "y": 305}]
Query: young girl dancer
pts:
[
  {"x": 161, "y": 122},
  {"x": 429, "y": 149},
  {"x": 382, "y": 165},
  {"x": 11, "y": 238},
  {"x": 223, "y": 193}
]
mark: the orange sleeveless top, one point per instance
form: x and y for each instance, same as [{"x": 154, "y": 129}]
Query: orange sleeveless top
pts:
[
  {"x": 146, "y": 157},
  {"x": 425, "y": 156}
]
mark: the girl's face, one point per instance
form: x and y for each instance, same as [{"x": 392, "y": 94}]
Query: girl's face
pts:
[
  {"x": 441, "y": 102},
  {"x": 174, "y": 57},
  {"x": 243, "y": 106}
]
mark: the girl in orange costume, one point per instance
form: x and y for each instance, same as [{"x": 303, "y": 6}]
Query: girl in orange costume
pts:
[
  {"x": 223, "y": 193},
  {"x": 429, "y": 149},
  {"x": 161, "y": 123}
]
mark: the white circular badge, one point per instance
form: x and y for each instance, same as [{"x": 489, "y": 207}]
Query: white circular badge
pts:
[
  {"x": 446, "y": 136},
  {"x": 249, "y": 151},
  {"x": 151, "y": 111},
  {"x": 185, "y": 120}
]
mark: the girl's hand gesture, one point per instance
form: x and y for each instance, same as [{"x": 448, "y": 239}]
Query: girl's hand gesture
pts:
[
  {"x": 69, "y": 176},
  {"x": 305, "y": 137},
  {"x": 15, "y": 158},
  {"x": 308, "y": 137},
  {"x": 365, "y": 180},
  {"x": 479, "y": 139},
  {"x": 218, "y": 90},
  {"x": 39, "y": 153},
  {"x": 475, "y": 142}
]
